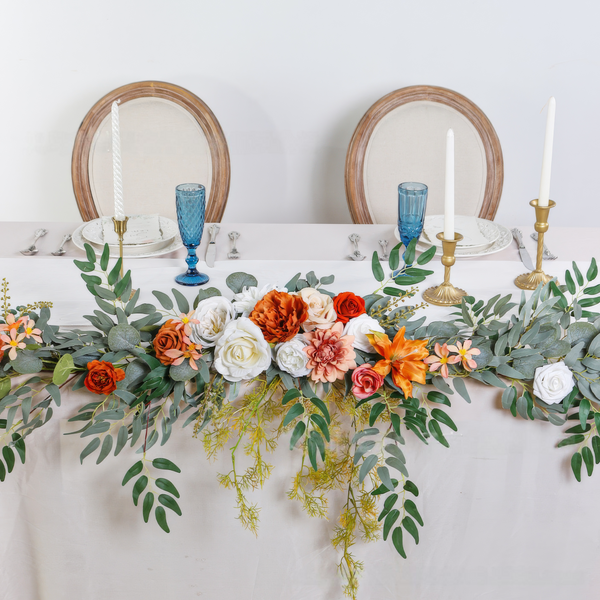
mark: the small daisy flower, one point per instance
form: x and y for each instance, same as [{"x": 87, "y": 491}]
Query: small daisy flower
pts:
[
  {"x": 186, "y": 321},
  {"x": 12, "y": 342},
  {"x": 465, "y": 354},
  {"x": 441, "y": 359},
  {"x": 190, "y": 351},
  {"x": 31, "y": 331}
]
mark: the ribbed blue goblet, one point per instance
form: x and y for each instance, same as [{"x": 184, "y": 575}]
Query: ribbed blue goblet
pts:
[
  {"x": 412, "y": 202},
  {"x": 191, "y": 204}
]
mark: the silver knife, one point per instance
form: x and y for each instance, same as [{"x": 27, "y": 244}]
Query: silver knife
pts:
[
  {"x": 211, "y": 251},
  {"x": 525, "y": 258}
]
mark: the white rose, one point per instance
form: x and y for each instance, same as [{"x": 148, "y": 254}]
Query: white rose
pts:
[
  {"x": 359, "y": 327},
  {"x": 291, "y": 358},
  {"x": 214, "y": 314},
  {"x": 246, "y": 300},
  {"x": 321, "y": 314},
  {"x": 242, "y": 352},
  {"x": 552, "y": 383}
]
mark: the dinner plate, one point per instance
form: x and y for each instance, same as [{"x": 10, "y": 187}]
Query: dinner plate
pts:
[
  {"x": 477, "y": 233},
  {"x": 135, "y": 251},
  {"x": 93, "y": 233},
  {"x": 502, "y": 241}
]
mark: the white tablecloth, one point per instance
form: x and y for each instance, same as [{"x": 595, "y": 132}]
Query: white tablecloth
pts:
[{"x": 504, "y": 518}]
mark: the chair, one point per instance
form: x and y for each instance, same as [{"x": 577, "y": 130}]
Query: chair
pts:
[
  {"x": 168, "y": 136},
  {"x": 402, "y": 137}
]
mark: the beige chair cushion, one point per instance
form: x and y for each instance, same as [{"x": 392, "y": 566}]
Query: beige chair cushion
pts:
[
  {"x": 409, "y": 144},
  {"x": 162, "y": 145}
]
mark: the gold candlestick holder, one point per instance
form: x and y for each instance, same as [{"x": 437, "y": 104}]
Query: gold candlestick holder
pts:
[
  {"x": 530, "y": 281},
  {"x": 446, "y": 294},
  {"x": 120, "y": 229}
]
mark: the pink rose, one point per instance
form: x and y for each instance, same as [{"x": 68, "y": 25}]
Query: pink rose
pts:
[{"x": 366, "y": 381}]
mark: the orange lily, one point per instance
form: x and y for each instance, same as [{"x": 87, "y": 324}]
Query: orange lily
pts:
[{"x": 404, "y": 358}]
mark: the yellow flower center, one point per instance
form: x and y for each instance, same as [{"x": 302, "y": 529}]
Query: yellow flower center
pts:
[
  {"x": 444, "y": 360},
  {"x": 14, "y": 343}
]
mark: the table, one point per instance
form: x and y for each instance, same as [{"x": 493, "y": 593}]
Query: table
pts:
[{"x": 504, "y": 518}]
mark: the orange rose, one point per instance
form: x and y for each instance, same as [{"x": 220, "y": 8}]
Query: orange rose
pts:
[
  {"x": 279, "y": 316},
  {"x": 102, "y": 377},
  {"x": 168, "y": 338},
  {"x": 348, "y": 306}
]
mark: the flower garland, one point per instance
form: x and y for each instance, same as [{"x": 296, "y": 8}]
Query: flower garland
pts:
[{"x": 340, "y": 377}]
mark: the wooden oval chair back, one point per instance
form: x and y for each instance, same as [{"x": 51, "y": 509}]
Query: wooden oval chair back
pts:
[
  {"x": 168, "y": 136},
  {"x": 402, "y": 137}
]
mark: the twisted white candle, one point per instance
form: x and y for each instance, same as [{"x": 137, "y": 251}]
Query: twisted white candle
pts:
[{"x": 117, "y": 174}]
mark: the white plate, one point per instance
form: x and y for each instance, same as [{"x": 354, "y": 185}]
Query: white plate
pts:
[
  {"x": 477, "y": 233},
  {"x": 93, "y": 233},
  {"x": 128, "y": 251},
  {"x": 502, "y": 241}
]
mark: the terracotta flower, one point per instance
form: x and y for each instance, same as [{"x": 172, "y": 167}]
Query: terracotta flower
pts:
[
  {"x": 11, "y": 323},
  {"x": 348, "y": 306},
  {"x": 168, "y": 338},
  {"x": 330, "y": 353},
  {"x": 441, "y": 359},
  {"x": 31, "y": 331},
  {"x": 404, "y": 358},
  {"x": 366, "y": 381},
  {"x": 12, "y": 342},
  {"x": 189, "y": 350},
  {"x": 102, "y": 377},
  {"x": 465, "y": 354},
  {"x": 185, "y": 321},
  {"x": 279, "y": 316}
]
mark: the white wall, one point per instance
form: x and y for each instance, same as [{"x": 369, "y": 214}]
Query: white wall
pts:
[{"x": 289, "y": 81}]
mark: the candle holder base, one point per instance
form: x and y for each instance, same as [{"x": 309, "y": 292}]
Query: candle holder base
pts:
[
  {"x": 530, "y": 281},
  {"x": 444, "y": 295}
]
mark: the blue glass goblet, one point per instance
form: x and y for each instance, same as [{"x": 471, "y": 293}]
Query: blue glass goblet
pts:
[
  {"x": 191, "y": 204},
  {"x": 412, "y": 202}
]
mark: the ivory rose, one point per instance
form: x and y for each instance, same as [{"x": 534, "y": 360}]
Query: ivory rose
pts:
[
  {"x": 321, "y": 314},
  {"x": 291, "y": 358},
  {"x": 242, "y": 351},
  {"x": 359, "y": 327},
  {"x": 366, "y": 381},
  {"x": 553, "y": 383},
  {"x": 212, "y": 316}
]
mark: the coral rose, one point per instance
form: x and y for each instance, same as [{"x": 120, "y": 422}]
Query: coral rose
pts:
[
  {"x": 348, "y": 306},
  {"x": 102, "y": 377},
  {"x": 366, "y": 381},
  {"x": 279, "y": 316},
  {"x": 330, "y": 353},
  {"x": 168, "y": 338}
]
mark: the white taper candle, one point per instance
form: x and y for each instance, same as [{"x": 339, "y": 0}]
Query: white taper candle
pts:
[
  {"x": 544, "y": 194},
  {"x": 117, "y": 174},
  {"x": 449, "y": 188}
]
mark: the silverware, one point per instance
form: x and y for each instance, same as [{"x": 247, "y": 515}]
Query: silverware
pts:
[
  {"x": 384, "y": 245},
  {"x": 234, "y": 254},
  {"x": 357, "y": 254},
  {"x": 211, "y": 251},
  {"x": 32, "y": 249},
  {"x": 61, "y": 250},
  {"x": 525, "y": 258},
  {"x": 547, "y": 254}
]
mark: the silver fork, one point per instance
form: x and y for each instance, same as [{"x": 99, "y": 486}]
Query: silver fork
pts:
[
  {"x": 547, "y": 254},
  {"x": 234, "y": 254},
  {"x": 357, "y": 254},
  {"x": 32, "y": 249}
]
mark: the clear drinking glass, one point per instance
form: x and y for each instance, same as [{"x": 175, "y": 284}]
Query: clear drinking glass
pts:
[
  {"x": 412, "y": 202},
  {"x": 191, "y": 204}
]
